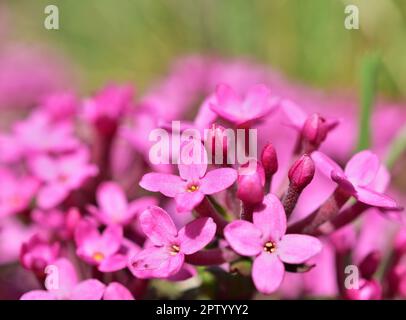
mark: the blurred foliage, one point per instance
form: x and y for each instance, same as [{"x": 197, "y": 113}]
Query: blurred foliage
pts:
[{"x": 135, "y": 40}]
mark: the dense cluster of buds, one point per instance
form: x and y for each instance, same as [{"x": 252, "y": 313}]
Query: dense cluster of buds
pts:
[{"x": 91, "y": 217}]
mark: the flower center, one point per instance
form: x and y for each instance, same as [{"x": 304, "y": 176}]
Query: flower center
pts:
[
  {"x": 192, "y": 188},
  {"x": 98, "y": 256},
  {"x": 270, "y": 247},
  {"x": 174, "y": 250}
]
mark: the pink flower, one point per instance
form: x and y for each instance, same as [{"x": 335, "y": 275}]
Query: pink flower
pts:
[
  {"x": 114, "y": 207},
  {"x": 65, "y": 285},
  {"x": 15, "y": 193},
  {"x": 116, "y": 291},
  {"x": 265, "y": 240},
  {"x": 60, "y": 176},
  {"x": 257, "y": 104},
  {"x": 192, "y": 185},
  {"x": 107, "y": 107},
  {"x": 368, "y": 290},
  {"x": 37, "y": 253},
  {"x": 100, "y": 249},
  {"x": 60, "y": 106},
  {"x": 39, "y": 134},
  {"x": 364, "y": 177},
  {"x": 166, "y": 257}
]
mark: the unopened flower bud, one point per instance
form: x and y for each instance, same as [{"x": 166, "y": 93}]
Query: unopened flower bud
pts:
[
  {"x": 302, "y": 172},
  {"x": 368, "y": 290},
  {"x": 37, "y": 253},
  {"x": 315, "y": 130},
  {"x": 269, "y": 160},
  {"x": 251, "y": 181},
  {"x": 370, "y": 264}
]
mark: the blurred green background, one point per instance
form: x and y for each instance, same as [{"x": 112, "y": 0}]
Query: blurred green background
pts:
[{"x": 135, "y": 40}]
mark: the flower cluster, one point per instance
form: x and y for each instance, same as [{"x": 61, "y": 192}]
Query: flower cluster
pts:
[{"x": 89, "y": 216}]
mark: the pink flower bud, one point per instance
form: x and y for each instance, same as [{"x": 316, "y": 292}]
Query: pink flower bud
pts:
[
  {"x": 37, "y": 253},
  {"x": 269, "y": 160},
  {"x": 315, "y": 130},
  {"x": 302, "y": 171},
  {"x": 368, "y": 290},
  {"x": 72, "y": 219},
  {"x": 370, "y": 264},
  {"x": 251, "y": 181}
]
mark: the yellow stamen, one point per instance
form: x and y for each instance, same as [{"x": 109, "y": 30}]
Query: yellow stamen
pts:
[
  {"x": 175, "y": 250},
  {"x": 98, "y": 256},
  {"x": 270, "y": 247},
  {"x": 192, "y": 188}
]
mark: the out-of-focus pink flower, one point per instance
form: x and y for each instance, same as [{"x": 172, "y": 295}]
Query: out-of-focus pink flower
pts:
[
  {"x": 194, "y": 182},
  {"x": 15, "y": 193},
  {"x": 66, "y": 285},
  {"x": 116, "y": 291},
  {"x": 60, "y": 106},
  {"x": 361, "y": 178},
  {"x": 114, "y": 207},
  {"x": 61, "y": 175},
  {"x": 265, "y": 240},
  {"x": 38, "y": 133},
  {"x": 368, "y": 290},
  {"x": 108, "y": 106},
  {"x": 10, "y": 150},
  {"x": 257, "y": 104},
  {"x": 100, "y": 249},
  {"x": 13, "y": 233},
  {"x": 166, "y": 257},
  {"x": 37, "y": 253}
]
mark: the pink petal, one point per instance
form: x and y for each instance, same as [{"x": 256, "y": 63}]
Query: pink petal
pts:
[
  {"x": 374, "y": 198},
  {"x": 158, "y": 226},
  {"x": 186, "y": 272},
  {"x": 226, "y": 96},
  {"x": 112, "y": 200},
  {"x": 267, "y": 272},
  {"x": 86, "y": 232},
  {"x": 111, "y": 240},
  {"x": 325, "y": 164},
  {"x": 139, "y": 205},
  {"x": 295, "y": 114},
  {"x": 244, "y": 237},
  {"x": 66, "y": 276},
  {"x": 113, "y": 263},
  {"x": 51, "y": 195},
  {"x": 38, "y": 295},
  {"x": 168, "y": 184},
  {"x": 193, "y": 160},
  {"x": 217, "y": 180},
  {"x": 297, "y": 248},
  {"x": 257, "y": 102},
  {"x": 196, "y": 235},
  {"x": 362, "y": 168},
  {"x": 91, "y": 289},
  {"x": 187, "y": 201},
  {"x": 270, "y": 218},
  {"x": 116, "y": 291},
  {"x": 156, "y": 262}
]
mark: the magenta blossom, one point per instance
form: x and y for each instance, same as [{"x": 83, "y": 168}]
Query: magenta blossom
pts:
[
  {"x": 265, "y": 240},
  {"x": 60, "y": 176},
  {"x": 362, "y": 177},
  {"x": 167, "y": 255},
  {"x": 15, "y": 193},
  {"x": 37, "y": 253},
  {"x": 100, "y": 249},
  {"x": 116, "y": 291},
  {"x": 257, "y": 104},
  {"x": 39, "y": 133},
  {"x": 193, "y": 184},
  {"x": 114, "y": 207},
  {"x": 64, "y": 284}
]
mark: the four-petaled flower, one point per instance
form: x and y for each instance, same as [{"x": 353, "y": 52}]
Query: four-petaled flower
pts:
[
  {"x": 194, "y": 182},
  {"x": 257, "y": 104},
  {"x": 166, "y": 256},
  {"x": 265, "y": 239},
  {"x": 114, "y": 207},
  {"x": 364, "y": 177}
]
